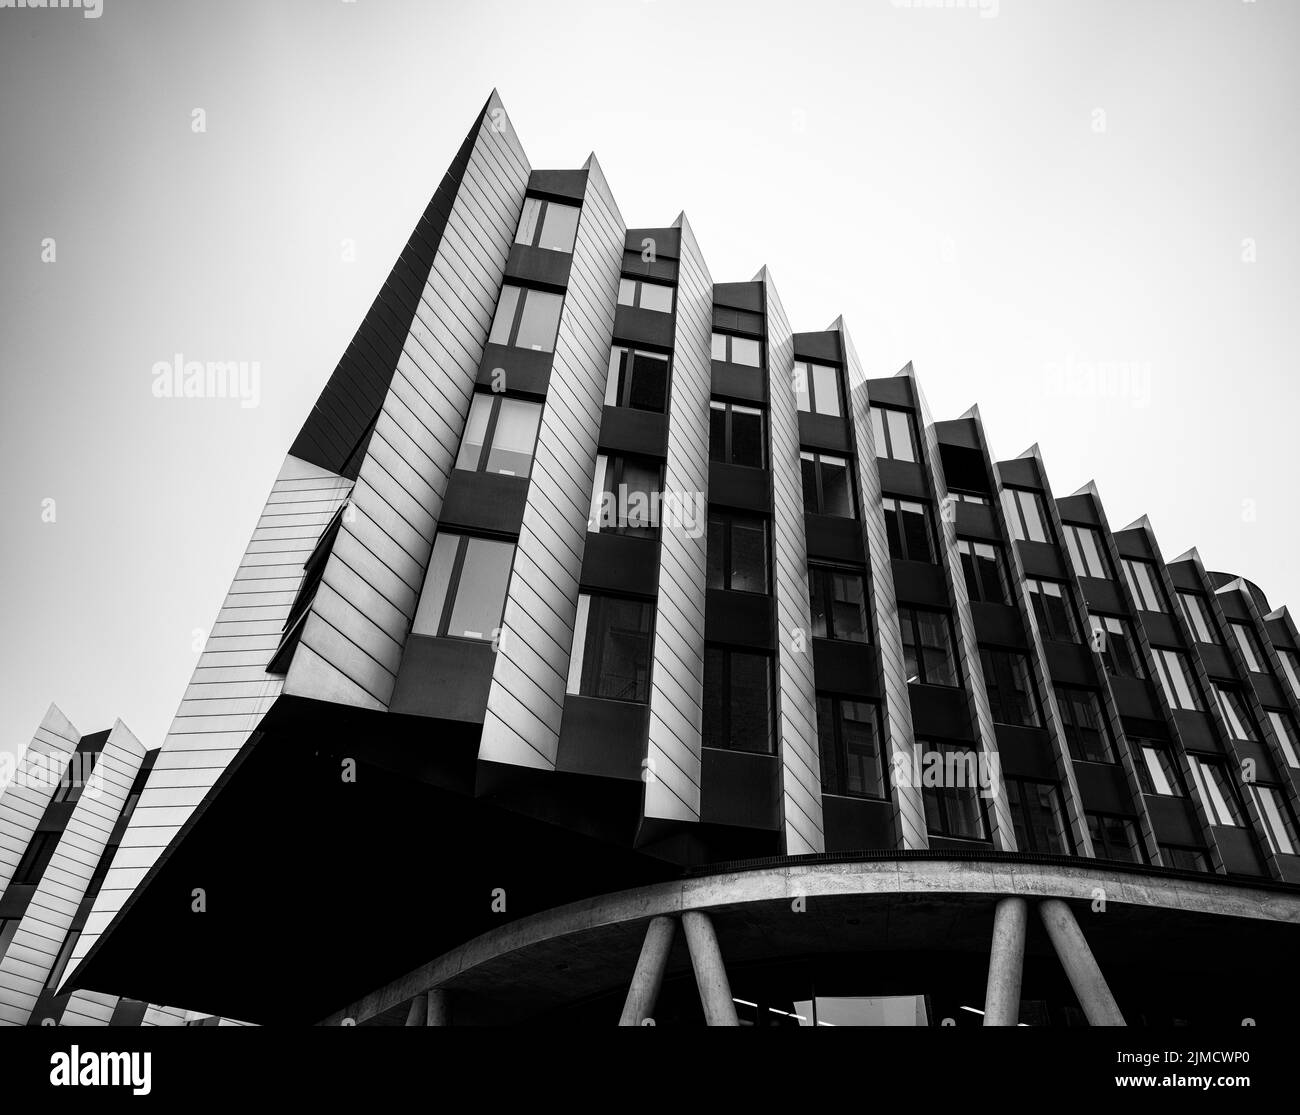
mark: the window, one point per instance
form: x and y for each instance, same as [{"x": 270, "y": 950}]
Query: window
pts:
[
  {"x": 927, "y": 647},
  {"x": 1038, "y": 817},
  {"x": 982, "y": 565},
  {"x": 624, "y": 496},
  {"x": 1197, "y": 614},
  {"x": 738, "y": 350},
  {"x": 1279, "y": 827},
  {"x": 1285, "y": 731},
  {"x": 611, "y": 649},
  {"x": 8, "y": 927},
  {"x": 908, "y": 526},
  {"x": 36, "y": 859},
  {"x": 548, "y": 224},
  {"x": 80, "y": 767},
  {"x": 1250, "y": 649},
  {"x": 1232, "y": 703},
  {"x": 954, "y": 807},
  {"x": 827, "y": 485},
  {"x": 1156, "y": 770},
  {"x": 1144, "y": 584},
  {"x": 1115, "y": 838},
  {"x": 817, "y": 389},
  {"x": 968, "y": 497},
  {"x": 735, "y": 434},
  {"x": 738, "y": 700},
  {"x": 1185, "y": 859},
  {"x": 465, "y": 587},
  {"x": 738, "y": 552},
  {"x": 892, "y": 430},
  {"x": 1177, "y": 680},
  {"x": 1051, "y": 603},
  {"x": 637, "y": 379},
  {"x": 500, "y": 434},
  {"x": 1010, "y": 686},
  {"x": 849, "y": 739},
  {"x": 645, "y": 296},
  {"x": 838, "y": 604},
  {"x": 1026, "y": 515},
  {"x": 61, "y": 961},
  {"x": 1291, "y": 667},
  {"x": 1084, "y": 724},
  {"x": 1210, "y": 779},
  {"x": 1086, "y": 550},
  {"x": 1113, "y": 639},
  {"x": 526, "y": 318}
]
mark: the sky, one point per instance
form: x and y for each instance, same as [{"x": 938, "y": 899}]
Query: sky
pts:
[{"x": 1081, "y": 216}]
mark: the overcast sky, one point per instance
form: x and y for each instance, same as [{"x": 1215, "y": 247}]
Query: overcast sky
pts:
[{"x": 1009, "y": 198}]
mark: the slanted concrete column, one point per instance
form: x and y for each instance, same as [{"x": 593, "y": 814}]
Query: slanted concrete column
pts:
[
  {"x": 710, "y": 973},
  {"x": 649, "y": 974},
  {"x": 419, "y": 1009},
  {"x": 1080, "y": 966},
  {"x": 439, "y": 1012},
  {"x": 1006, "y": 963}
]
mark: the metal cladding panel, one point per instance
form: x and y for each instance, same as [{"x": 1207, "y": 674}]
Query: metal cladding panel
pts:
[
  {"x": 35, "y": 946},
  {"x": 801, "y": 781},
  {"x": 677, "y": 675},
  {"x": 526, "y": 699},
  {"x": 219, "y": 711},
  {"x": 909, "y": 808},
  {"x": 163, "y": 1016},
  {"x": 36, "y": 776},
  {"x": 89, "y": 1008},
  {"x": 968, "y": 655},
  {"x": 360, "y": 620}
]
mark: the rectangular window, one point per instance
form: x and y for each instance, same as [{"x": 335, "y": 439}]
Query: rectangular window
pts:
[
  {"x": 982, "y": 565},
  {"x": 36, "y": 859},
  {"x": 464, "y": 588},
  {"x": 892, "y": 430},
  {"x": 850, "y": 742},
  {"x": 1084, "y": 724},
  {"x": 838, "y": 600},
  {"x": 737, "y": 552},
  {"x": 500, "y": 434},
  {"x": 1197, "y": 613},
  {"x": 1178, "y": 680},
  {"x": 1156, "y": 770},
  {"x": 1285, "y": 731},
  {"x": 1010, "y": 686},
  {"x": 1279, "y": 826},
  {"x": 1291, "y": 667},
  {"x": 1052, "y": 610},
  {"x": 927, "y": 647},
  {"x": 1086, "y": 551},
  {"x": 526, "y": 318},
  {"x": 1026, "y": 515},
  {"x": 1249, "y": 646},
  {"x": 80, "y": 768},
  {"x": 1115, "y": 838},
  {"x": 548, "y": 224},
  {"x": 968, "y": 497},
  {"x": 624, "y": 495},
  {"x": 954, "y": 808},
  {"x": 61, "y": 961},
  {"x": 738, "y": 350},
  {"x": 1232, "y": 704},
  {"x": 637, "y": 379},
  {"x": 1144, "y": 583},
  {"x": 908, "y": 525},
  {"x": 817, "y": 389},
  {"x": 8, "y": 927},
  {"x": 1038, "y": 817},
  {"x": 828, "y": 485},
  {"x": 1210, "y": 779},
  {"x": 1185, "y": 859},
  {"x": 645, "y": 296},
  {"x": 611, "y": 649},
  {"x": 1113, "y": 638},
  {"x": 738, "y": 700},
  {"x": 736, "y": 435}
]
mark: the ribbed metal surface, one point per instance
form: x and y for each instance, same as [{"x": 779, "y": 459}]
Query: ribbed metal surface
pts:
[{"x": 24, "y": 800}]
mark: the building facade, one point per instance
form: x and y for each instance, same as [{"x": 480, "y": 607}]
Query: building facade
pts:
[{"x": 594, "y": 602}]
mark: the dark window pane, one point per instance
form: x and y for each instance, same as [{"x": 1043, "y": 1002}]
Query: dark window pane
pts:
[
  {"x": 617, "y": 661},
  {"x": 749, "y": 556},
  {"x": 746, "y": 438},
  {"x": 916, "y": 533},
  {"x": 717, "y": 433},
  {"x": 837, "y": 491},
  {"x": 649, "y": 382},
  {"x": 715, "y": 698},
  {"x": 717, "y": 553},
  {"x": 863, "y": 771},
  {"x": 808, "y": 470},
  {"x": 849, "y": 607},
  {"x": 751, "y": 703}
]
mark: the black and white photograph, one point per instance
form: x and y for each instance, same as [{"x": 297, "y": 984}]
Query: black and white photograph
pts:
[{"x": 542, "y": 518}]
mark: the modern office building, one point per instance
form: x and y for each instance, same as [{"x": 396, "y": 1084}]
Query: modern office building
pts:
[{"x": 593, "y": 601}]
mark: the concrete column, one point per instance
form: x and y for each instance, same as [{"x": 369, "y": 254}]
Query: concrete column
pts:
[
  {"x": 710, "y": 973},
  {"x": 649, "y": 974},
  {"x": 1080, "y": 966},
  {"x": 1006, "y": 963},
  {"x": 439, "y": 1011},
  {"x": 415, "y": 1015}
]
